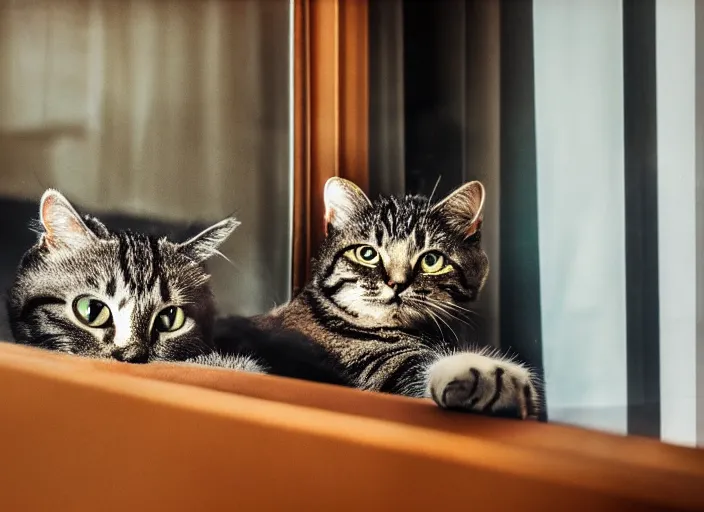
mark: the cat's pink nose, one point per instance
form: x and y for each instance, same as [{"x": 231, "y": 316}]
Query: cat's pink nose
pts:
[{"x": 397, "y": 287}]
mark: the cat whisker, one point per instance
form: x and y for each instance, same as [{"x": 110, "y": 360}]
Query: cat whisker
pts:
[
  {"x": 439, "y": 308},
  {"x": 425, "y": 310},
  {"x": 430, "y": 200},
  {"x": 460, "y": 316},
  {"x": 234, "y": 265},
  {"x": 452, "y": 305},
  {"x": 435, "y": 316},
  {"x": 457, "y": 306}
]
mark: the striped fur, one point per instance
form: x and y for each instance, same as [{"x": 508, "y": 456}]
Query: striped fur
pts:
[
  {"x": 134, "y": 275},
  {"x": 376, "y": 319}
]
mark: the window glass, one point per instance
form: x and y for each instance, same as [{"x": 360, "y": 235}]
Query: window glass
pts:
[
  {"x": 582, "y": 119},
  {"x": 161, "y": 116}
]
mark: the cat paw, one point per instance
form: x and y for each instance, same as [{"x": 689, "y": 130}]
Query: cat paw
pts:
[
  {"x": 475, "y": 382},
  {"x": 232, "y": 362}
]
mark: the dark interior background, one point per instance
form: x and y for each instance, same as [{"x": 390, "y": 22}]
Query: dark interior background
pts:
[
  {"x": 434, "y": 140},
  {"x": 451, "y": 100}
]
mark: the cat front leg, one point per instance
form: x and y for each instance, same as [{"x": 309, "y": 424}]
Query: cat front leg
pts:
[{"x": 482, "y": 383}]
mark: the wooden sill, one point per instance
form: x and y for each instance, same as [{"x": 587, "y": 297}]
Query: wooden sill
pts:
[{"x": 90, "y": 435}]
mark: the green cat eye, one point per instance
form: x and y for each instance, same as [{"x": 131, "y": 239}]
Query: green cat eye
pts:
[
  {"x": 364, "y": 255},
  {"x": 170, "y": 319},
  {"x": 367, "y": 254},
  {"x": 434, "y": 263},
  {"x": 92, "y": 312}
]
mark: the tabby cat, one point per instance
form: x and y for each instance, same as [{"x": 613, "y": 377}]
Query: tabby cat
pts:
[
  {"x": 89, "y": 291},
  {"x": 386, "y": 271}
]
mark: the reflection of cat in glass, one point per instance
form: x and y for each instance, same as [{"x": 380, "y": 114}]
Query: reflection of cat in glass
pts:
[
  {"x": 86, "y": 290},
  {"x": 385, "y": 272}
]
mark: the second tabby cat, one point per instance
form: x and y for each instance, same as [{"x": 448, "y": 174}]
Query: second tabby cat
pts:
[{"x": 385, "y": 270}]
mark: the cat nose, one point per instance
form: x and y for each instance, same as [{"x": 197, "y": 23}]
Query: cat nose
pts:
[
  {"x": 133, "y": 353},
  {"x": 398, "y": 287},
  {"x": 398, "y": 275}
]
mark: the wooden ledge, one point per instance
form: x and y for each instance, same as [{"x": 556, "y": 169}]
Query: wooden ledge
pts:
[{"x": 88, "y": 435}]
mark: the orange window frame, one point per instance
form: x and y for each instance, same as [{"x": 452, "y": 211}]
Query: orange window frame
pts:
[
  {"x": 81, "y": 434},
  {"x": 331, "y": 113}
]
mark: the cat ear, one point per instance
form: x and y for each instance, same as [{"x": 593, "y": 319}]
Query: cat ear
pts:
[
  {"x": 205, "y": 244},
  {"x": 464, "y": 207},
  {"x": 342, "y": 200},
  {"x": 63, "y": 226}
]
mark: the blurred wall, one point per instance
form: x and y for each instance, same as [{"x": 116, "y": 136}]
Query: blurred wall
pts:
[{"x": 171, "y": 110}]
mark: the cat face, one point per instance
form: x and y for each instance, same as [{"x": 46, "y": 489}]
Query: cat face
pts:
[
  {"x": 85, "y": 290},
  {"x": 399, "y": 262}
]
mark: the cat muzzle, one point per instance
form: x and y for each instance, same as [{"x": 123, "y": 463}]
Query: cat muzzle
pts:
[{"x": 134, "y": 353}]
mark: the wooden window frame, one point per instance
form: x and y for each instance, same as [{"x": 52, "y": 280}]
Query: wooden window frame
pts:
[
  {"x": 331, "y": 113},
  {"x": 81, "y": 434}
]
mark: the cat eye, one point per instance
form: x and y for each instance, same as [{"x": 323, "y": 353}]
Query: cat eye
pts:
[
  {"x": 170, "y": 319},
  {"x": 434, "y": 263},
  {"x": 367, "y": 254},
  {"x": 364, "y": 255},
  {"x": 92, "y": 312}
]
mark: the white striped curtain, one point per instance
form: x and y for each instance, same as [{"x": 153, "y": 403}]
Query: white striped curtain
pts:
[
  {"x": 619, "y": 191},
  {"x": 584, "y": 119}
]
